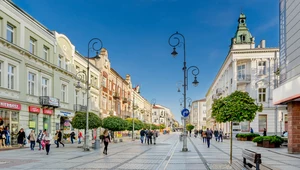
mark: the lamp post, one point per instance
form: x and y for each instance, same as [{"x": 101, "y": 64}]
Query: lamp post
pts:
[
  {"x": 80, "y": 76},
  {"x": 178, "y": 37}
]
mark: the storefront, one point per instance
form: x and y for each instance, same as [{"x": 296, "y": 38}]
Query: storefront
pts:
[
  {"x": 9, "y": 117},
  {"x": 65, "y": 122},
  {"x": 47, "y": 119},
  {"x": 33, "y": 118}
]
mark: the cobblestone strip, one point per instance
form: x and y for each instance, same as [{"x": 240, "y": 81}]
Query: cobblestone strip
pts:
[
  {"x": 115, "y": 167},
  {"x": 200, "y": 155}
]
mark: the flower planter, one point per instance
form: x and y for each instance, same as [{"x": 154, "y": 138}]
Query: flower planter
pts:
[
  {"x": 259, "y": 144},
  {"x": 238, "y": 138},
  {"x": 243, "y": 139},
  {"x": 250, "y": 138},
  {"x": 267, "y": 144}
]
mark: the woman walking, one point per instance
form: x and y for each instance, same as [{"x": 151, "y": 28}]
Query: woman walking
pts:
[
  {"x": 47, "y": 138},
  {"x": 32, "y": 140},
  {"x": 21, "y": 137},
  {"x": 106, "y": 140}
]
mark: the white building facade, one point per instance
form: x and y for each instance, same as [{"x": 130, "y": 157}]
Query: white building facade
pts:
[
  {"x": 197, "y": 115},
  {"x": 250, "y": 69}
]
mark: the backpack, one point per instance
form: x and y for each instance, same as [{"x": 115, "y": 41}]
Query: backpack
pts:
[{"x": 28, "y": 137}]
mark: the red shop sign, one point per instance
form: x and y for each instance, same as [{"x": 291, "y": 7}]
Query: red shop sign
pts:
[
  {"x": 47, "y": 111},
  {"x": 34, "y": 109},
  {"x": 10, "y": 105}
]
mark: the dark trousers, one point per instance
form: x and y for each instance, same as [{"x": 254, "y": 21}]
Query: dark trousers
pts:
[
  {"x": 221, "y": 137},
  {"x": 48, "y": 148},
  {"x": 72, "y": 139},
  {"x": 105, "y": 147},
  {"x": 59, "y": 141},
  {"x": 149, "y": 139},
  {"x": 32, "y": 145},
  {"x": 208, "y": 142}
]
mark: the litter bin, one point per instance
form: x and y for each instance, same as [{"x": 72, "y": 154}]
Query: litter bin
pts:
[{"x": 96, "y": 144}]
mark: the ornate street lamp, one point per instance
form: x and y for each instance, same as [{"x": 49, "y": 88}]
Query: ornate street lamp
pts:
[
  {"x": 82, "y": 76},
  {"x": 178, "y": 37}
]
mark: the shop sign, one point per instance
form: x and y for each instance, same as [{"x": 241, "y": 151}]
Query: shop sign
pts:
[
  {"x": 53, "y": 101},
  {"x": 34, "y": 109},
  {"x": 10, "y": 105},
  {"x": 47, "y": 111}
]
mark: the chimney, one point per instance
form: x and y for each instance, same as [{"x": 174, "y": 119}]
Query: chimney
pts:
[
  {"x": 263, "y": 43},
  {"x": 258, "y": 46}
]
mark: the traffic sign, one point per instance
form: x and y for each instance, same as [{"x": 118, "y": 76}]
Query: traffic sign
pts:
[{"x": 185, "y": 112}]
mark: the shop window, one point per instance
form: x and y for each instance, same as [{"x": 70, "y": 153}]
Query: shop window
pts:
[
  {"x": 31, "y": 83},
  {"x": 46, "y": 122},
  {"x": 11, "y": 77},
  {"x": 262, "y": 122}
]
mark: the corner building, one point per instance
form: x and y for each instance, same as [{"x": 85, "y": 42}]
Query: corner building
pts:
[{"x": 251, "y": 69}]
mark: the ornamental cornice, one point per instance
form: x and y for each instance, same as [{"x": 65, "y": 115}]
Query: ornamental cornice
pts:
[{"x": 265, "y": 50}]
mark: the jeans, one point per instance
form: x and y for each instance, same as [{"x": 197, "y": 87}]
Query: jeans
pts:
[
  {"x": 221, "y": 137},
  {"x": 204, "y": 139},
  {"x": 208, "y": 142},
  {"x": 40, "y": 145},
  {"x": 72, "y": 138},
  {"x": 142, "y": 139},
  {"x": 79, "y": 140},
  {"x": 7, "y": 142},
  {"x": 216, "y": 137},
  {"x": 32, "y": 145}
]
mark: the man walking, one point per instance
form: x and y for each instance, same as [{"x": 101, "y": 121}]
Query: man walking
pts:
[
  {"x": 216, "y": 134},
  {"x": 149, "y": 137},
  {"x": 59, "y": 137},
  {"x": 208, "y": 136},
  {"x": 221, "y": 135},
  {"x": 142, "y": 134}
]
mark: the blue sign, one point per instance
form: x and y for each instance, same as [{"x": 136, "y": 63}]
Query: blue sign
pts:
[{"x": 185, "y": 112}]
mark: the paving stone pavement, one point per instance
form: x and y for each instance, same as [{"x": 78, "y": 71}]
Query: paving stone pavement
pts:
[{"x": 166, "y": 155}]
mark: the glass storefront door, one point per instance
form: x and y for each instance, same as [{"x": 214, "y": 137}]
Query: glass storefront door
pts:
[{"x": 46, "y": 122}]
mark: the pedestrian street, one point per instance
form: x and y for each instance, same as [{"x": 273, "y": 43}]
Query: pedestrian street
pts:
[{"x": 166, "y": 154}]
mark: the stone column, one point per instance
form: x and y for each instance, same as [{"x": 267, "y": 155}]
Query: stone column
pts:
[{"x": 294, "y": 127}]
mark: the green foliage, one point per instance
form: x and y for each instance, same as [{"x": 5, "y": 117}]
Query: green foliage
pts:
[
  {"x": 258, "y": 139},
  {"x": 189, "y": 127},
  {"x": 79, "y": 120},
  {"x": 247, "y": 135},
  {"x": 114, "y": 123},
  {"x": 276, "y": 139},
  {"x": 162, "y": 126},
  {"x": 138, "y": 125},
  {"x": 146, "y": 126},
  {"x": 154, "y": 126},
  {"x": 237, "y": 107}
]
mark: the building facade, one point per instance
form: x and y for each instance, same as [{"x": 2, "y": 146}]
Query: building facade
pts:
[
  {"x": 163, "y": 115},
  {"x": 288, "y": 91},
  {"x": 198, "y": 114},
  {"x": 250, "y": 69}
]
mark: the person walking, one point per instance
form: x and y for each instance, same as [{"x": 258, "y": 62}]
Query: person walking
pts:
[
  {"x": 59, "y": 138},
  {"x": 79, "y": 137},
  {"x": 155, "y": 135},
  {"x": 32, "y": 139},
  {"x": 40, "y": 139},
  {"x": 2, "y": 137},
  {"x": 220, "y": 135},
  {"x": 106, "y": 140},
  {"x": 208, "y": 136},
  {"x": 149, "y": 137},
  {"x": 21, "y": 137},
  {"x": 200, "y": 132},
  {"x": 204, "y": 136},
  {"x": 47, "y": 140},
  {"x": 72, "y": 136},
  {"x": 7, "y": 142},
  {"x": 216, "y": 134},
  {"x": 142, "y": 135},
  {"x": 251, "y": 130}
]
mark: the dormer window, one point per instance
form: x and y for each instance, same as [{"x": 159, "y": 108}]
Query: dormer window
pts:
[{"x": 243, "y": 38}]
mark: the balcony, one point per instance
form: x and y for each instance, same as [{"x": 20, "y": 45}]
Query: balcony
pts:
[
  {"x": 116, "y": 96},
  {"x": 49, "y": 101},
  {"x": 243, "y": 78},
  {"x": 125, "y": 100},
  {"x": 219, "y": 91},
  {"x": 80, "y": 108}
]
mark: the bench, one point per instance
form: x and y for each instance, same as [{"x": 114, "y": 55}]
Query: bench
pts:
[{"x": 251, "y": 159}]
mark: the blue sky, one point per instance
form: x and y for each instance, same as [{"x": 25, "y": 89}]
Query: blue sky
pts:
[{"x": 136, "y": 33}]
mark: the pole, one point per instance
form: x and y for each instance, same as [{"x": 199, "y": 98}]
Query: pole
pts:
[
  {"x": 184, "y": 147},
  {"x": 133, "y": 118},
  {"x": 86, "y": 139},
  {"x": 231, "y": 143}
]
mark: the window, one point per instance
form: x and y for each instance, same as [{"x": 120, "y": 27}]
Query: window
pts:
[
  {"x": 64, "y": 92},
  {"x": 92, "y": 80},
  {"x": 262, "y": 68},
  {"x": 31, "y": 83},
  {"x": 32, "y": 44},
  {"x": 245, "y": 126},
  {"x": 83, "y": 98},
  {"x": 11, "y": 77},
  {"x": 10, "y": 33},
  {"x": 262, "y": 122},
  {"x": 104, "y": 103},
  {"x": 262, "y": 95},
  {"x": 76, "y": 98},
  {"x": 60, "y": 61},
  {"x": 46, "y": 53},
  {"x": 241, "y": 72},
  {"x": 67, "y": 62},
  {"x": 204, "y": 119},
  {"x": 243, "y": 38},
  {"x": 45, "y": 83}
]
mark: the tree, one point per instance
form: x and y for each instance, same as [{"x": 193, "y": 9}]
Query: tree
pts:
[
  {"x": 147, "y": 126},
  {"x": 237, "y": 107},
  {"x": 162, "y": 126},
  {"x": 138, "y": 125},
  {"x": 79, "y": 120},
  {"x": 189, "y": 127},
  {"x": 154, "y": 126},
  {"x": 114, "y": 123}
]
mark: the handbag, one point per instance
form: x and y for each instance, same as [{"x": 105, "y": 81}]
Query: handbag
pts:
[
  {"x": 3, "y": 136},
  {"x": 43, "y": 143}
]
